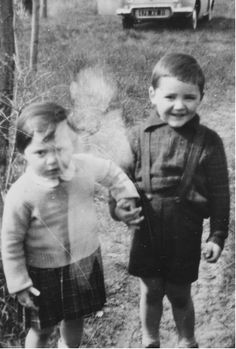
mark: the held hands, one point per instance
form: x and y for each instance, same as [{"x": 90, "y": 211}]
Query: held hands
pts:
[
  {"x": 212, "y": 252},
  {"x": 127, "y": 212},
  {"x": 25, "y": 297}
]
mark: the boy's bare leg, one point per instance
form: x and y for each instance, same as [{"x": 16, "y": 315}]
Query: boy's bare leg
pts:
[
  {"x": 183, "y": 312},
  {"x": 38, "y": 338},
  {"x": 71, "y": 333},
  {"x": 152, "y": 293}
]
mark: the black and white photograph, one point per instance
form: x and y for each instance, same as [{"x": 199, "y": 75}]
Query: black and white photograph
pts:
[{"x": 117, "y": 159}]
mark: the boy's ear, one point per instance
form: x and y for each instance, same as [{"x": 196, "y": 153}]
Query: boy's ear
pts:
[
  {"x": 151, "y": 93},
  {"x": 73, "y": 90}
]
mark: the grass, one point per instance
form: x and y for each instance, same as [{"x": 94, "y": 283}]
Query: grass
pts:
[{"x": 74, "y": 37}]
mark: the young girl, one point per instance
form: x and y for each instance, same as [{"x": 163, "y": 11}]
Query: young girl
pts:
[{"x": 50, "y": 248}]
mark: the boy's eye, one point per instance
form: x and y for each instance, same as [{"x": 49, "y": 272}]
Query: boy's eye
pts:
[
  {"x": 190, "y": 97},
  {"x": 40, "y": 152}
]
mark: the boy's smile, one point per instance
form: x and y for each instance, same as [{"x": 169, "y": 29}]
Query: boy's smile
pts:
[{"x": 176, "y": 102}]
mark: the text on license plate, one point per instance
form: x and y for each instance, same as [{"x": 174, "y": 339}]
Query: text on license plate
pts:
[{"x": 153, "y": 12}]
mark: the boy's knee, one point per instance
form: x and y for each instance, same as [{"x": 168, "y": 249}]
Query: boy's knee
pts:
[
  {"x": 179, "y": 295},
  {"x": 179, "y": 301},
  {"x": 152, "y": 290},
  {"x": 153, "y": 296}
]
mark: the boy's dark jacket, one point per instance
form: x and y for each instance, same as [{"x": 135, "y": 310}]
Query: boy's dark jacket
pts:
[{"x": 208, "y": 195}]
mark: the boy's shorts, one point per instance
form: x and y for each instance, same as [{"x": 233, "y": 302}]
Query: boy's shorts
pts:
[{"x": 168, "y": 244}]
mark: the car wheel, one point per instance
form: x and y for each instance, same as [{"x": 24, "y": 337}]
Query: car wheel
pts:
[
  {"x": 210, "y": 11},
  {"x": 194, "y": 19},
  {"x": 127, "y": 22}
]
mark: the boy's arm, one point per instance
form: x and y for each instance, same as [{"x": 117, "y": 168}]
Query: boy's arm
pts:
[
  {"x": 218, "y": 186},
  {"x": 212, "y": 252},
  {"x": 14, "y": 228}
]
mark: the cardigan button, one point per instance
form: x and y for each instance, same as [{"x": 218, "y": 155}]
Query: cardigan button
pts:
[{"x": 149, "y": 196}]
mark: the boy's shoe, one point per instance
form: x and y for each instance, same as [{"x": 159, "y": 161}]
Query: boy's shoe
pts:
[{"x": 185, "y": 343}]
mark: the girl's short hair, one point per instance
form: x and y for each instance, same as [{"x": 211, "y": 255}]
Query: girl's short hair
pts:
[
  {"x": 38, "y": 117},
  {"x": 181, "y": 66}
]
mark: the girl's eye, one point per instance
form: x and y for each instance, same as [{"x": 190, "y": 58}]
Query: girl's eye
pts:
[
  {"x": 170, "y": 97},
  {"x": 41, "y": 153}
]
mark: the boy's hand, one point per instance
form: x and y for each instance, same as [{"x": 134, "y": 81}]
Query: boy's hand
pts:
[
  {"x": 127, "y": 212},
  {"x": 25, "y": 299},
  {"x": 212, "y": 252}
]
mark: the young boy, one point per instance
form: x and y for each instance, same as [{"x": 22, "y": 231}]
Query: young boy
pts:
[
  {"x": 50, "y": 246},
  {"x": 181, "y": 172}
]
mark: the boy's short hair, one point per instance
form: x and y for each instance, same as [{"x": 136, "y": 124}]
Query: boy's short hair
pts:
[
  {"x": 182, "y": 66},
  {"x": 38, "y": 117}
]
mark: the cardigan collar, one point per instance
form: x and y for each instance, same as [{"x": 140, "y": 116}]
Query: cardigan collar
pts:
[
  {"x": 67, "y": 175},
  {"x": 154, "y": 121}
]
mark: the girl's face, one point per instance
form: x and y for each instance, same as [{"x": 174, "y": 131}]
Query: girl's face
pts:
[
  {"x": 52, "y": 157},
  {"x": 176, "y": 102}
]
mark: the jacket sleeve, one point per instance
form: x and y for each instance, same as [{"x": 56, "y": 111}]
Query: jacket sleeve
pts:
[
  {"x": 15, "y": 222},
  {"x": 219, "y": 196}
]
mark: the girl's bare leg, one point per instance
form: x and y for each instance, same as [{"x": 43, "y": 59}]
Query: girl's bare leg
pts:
[
  {"x": 38, "y": 338},
  {"x": 71, "y": 333},
  {"x": 152, "y": 293}
]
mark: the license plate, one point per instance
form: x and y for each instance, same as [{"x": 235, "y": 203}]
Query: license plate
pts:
[{"x": 152, "y": 12}]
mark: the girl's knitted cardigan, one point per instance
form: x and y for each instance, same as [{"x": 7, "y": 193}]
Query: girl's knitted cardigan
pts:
[{"x": 49, "y": 225}]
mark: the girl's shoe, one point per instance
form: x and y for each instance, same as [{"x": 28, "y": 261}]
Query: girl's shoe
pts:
[
  {"x": 61, "y": 344},
  {"x": 153, "y": 345}
]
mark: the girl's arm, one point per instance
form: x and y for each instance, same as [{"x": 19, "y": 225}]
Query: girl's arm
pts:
[
  {"x": 127, "y": 211},
  {"x": 25, "y": 297},
  {"x": 16, "y": 217},
  {"x": 123, "y": 193},
  {"x": 119, "y": 184},
  {"x": 129, "y": 169},
  {"x": 109, "y": 175}
]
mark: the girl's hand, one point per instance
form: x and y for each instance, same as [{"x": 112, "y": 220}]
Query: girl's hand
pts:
[
  {"x": 25, "y": 297},
  {"x": 212, "y": 252},
  {"x": 127, "y": 212}
]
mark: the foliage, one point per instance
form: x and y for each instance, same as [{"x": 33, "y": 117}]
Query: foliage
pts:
[{"x": 28, "y": 6}]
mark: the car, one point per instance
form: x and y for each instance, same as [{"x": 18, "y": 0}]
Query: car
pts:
[{"x": 136, "y": 11}]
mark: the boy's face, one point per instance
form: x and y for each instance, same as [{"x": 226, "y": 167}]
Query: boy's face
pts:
[
  {"x": 176, "y": 102},
  {"x": 52, "y": 157}
]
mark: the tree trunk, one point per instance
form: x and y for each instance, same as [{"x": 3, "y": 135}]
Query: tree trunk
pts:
[
  {"x": 44, "y": 9},
  {"x": 7, "y": 67},
  {"x": 34, "y": 35}
]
